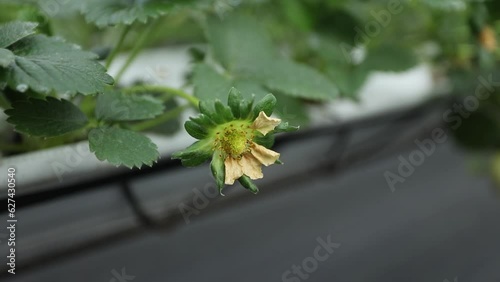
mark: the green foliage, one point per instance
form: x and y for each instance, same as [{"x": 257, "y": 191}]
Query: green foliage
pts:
[
  {"x": 295, "y": 79},
  {"x": 47, "y": 118},
  {"x": 389, "y": 58},
  {"x": 45, "y": 64},
  {"x": 14, "y": 31},
  {"x": 6, "y": 58},
  {"x": 112, "y": 12},
  {"x": 238, "y": 42},
  {"x": 118, "y": 106},
  {"x": 349, "y": 78},
  {"x": 243, "y": 47},
  {"x": 208, "y": 83},
  {"x": 122, "y": 147},
  {"x": 299, "y": 50},
  {"x": 173, "y": 125}
]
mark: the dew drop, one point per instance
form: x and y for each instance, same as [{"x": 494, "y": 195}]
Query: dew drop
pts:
[
  {"x": 22, "y": 88},
  {"x": 44, "y": 89}
]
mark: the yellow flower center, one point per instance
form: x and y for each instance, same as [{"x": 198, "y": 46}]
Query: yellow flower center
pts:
[{"x": 234, "y": 138}]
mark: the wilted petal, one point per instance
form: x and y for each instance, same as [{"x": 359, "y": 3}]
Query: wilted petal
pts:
[
  {"x": 251, "y": 166},
  {"x": 265, "y": 156},
  {"x": 233, "y": 170},
  {"x": 264, "y": 124}
]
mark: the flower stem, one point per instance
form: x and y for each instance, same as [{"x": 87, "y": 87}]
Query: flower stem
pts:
[
  {"x": 136, "y": 50},
  {"x": 159, "y": 120},
  {"x": 165, "y": 90},
  {"x": 118, "y": 46}
]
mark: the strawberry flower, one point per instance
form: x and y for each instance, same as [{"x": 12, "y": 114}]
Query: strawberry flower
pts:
[{"x": 237, "y": 137}]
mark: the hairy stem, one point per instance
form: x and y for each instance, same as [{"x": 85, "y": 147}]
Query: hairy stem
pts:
[
  {"x": 165, "y": 90},
  {"x": 136, "y": 50},
  {"x": 159, "y": 120},
  {"x": 118, "y": 46}
]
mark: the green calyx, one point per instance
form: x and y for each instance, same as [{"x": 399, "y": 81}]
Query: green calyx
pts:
[{"x": 227, "y": 131}]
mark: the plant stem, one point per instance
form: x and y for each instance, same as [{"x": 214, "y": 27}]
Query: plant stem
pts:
[
  {"x": 159, "y": 120},
  {"x": 165, "y": 90},
  {"x": 136, "y": 50},
  {"x": 118, "y": 46}
]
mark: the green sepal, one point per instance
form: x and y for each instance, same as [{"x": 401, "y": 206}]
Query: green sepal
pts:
[
  {"x": 247, "y": 183},
  {"x": 218, "y": 169},
  {"x": 233, "y": 101},
  {"x": 266, "y": 105},
  {"x": 195, "y": 130},
  {"x": 196, "y": 154},
  {"x": 278, "y": 161},
  {"x": 264, "y": 140},
  {"x": 246, "y": 107},
  {"x": 223, "y": 111},
  {"x": 208, "y": 108},
  {"x": 285, "y": 127},
  {"x": 203, "y": 121}
]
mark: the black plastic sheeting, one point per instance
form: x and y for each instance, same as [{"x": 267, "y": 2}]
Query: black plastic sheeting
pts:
[{"x": 328, "y": 214}]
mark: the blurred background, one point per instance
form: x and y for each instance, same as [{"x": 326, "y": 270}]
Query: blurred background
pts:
[{"x": 393, "y": 175}]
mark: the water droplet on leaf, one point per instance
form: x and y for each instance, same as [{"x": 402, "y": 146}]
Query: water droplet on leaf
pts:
[{"x": 22, "y": 88}]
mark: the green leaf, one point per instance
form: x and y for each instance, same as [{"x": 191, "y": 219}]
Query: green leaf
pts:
[
  {"x": 390, "y": 58},
  {"x": 291, "y": 109},
  {"x": 122, "y": 147},
  {"x": 6, "y": 58},
  {"x": 338, "y": 24},
  {"x": 250, "y": 88},
  {"x": 447, "y": 5},
  {"x": 118, "y": 106},
  {"x": 45, "y": 118},
  {"x": 14, "y": 31},
  {"x": 173, "y": 125},
  {"x": 209, "y": 84},
  {"x": 296, "y": 80},
  {"x": 238, "y": 41},
  {"x": 242, "y": 46},
  {"x": 46, "y": 64},
  {"x": 349, "y": 78},
  {"x": 112, "y": 12}
]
